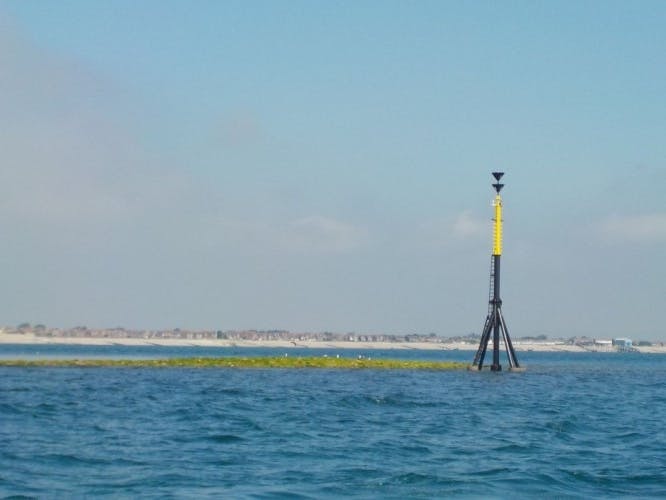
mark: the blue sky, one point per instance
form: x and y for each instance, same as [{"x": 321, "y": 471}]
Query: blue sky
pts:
[{"x": 326, "y": 166}]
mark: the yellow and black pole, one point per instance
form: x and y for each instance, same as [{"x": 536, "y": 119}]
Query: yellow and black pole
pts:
[{"x": 495, "y": 323}]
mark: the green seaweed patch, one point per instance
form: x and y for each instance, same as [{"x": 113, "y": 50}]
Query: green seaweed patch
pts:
[{"x": 242, "y": 362}]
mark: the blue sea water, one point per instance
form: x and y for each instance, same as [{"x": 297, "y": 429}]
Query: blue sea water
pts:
[{"x": 572, "y": 426}]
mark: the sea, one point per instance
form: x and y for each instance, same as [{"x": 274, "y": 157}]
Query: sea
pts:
[{"x": 574, "y": 425}]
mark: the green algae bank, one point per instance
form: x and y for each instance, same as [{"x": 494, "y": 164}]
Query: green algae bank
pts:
[
  {"x": 244, "y": 362},
  {"x": 573, "y": 426}
]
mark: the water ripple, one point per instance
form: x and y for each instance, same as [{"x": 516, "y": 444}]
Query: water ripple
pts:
[{"x": 571, "y": 427}]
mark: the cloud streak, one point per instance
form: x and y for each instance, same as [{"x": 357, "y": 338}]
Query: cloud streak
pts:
[
  {"x": 467, "y": 226},
  {"x": 322, "y": 234},
  {"x": 644, "y": 228},
  {"x": 453, "y": 230},
  {"x": 311, "y": 235}
]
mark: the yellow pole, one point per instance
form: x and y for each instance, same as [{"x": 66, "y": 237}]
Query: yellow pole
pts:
[{"x": 497, "y": 227}]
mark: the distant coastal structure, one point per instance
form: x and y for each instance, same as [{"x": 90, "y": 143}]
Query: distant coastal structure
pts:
[
  {"x": 40, "y": 334},
  {"x": 84, "y": 332}
]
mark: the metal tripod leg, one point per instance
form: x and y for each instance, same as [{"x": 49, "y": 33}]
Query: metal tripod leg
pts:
[
  {"x": 511, "y": 354},
  {"x": 483, "y": 345},
  {"x": 505, "y": 339}
]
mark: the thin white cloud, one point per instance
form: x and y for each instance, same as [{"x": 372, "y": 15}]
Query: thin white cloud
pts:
[
  {"x": 643, "y": 228},
  {"x": 466, "y": 226},
  {"x": 322, "y": 234},
  {"x": 451, "y": 230},
  {"x": 308, "y": 235}
]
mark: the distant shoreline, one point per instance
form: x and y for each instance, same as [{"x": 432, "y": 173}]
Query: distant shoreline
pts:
[{"x": 28, "y": 338}]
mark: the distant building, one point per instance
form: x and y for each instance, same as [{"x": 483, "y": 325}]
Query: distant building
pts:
[{"x": 623, "y": 343}]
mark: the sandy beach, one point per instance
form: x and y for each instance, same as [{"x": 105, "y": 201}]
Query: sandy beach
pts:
[{"x": 29, "y": 338}]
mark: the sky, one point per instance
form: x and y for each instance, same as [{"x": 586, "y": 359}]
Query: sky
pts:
[{"x": 325, "y": 166}]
